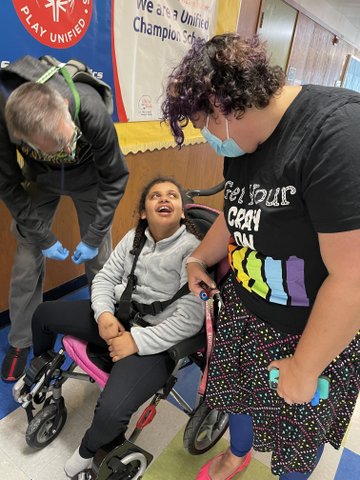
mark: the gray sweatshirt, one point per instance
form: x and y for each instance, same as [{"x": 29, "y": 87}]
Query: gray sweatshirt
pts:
[{"x": 160, "y": 272}]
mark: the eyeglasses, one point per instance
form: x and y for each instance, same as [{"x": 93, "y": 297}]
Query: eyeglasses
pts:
[{"x": 67, "y": 153}]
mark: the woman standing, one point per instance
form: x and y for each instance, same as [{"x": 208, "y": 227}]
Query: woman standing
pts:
[{"x": 290, "y": 228}]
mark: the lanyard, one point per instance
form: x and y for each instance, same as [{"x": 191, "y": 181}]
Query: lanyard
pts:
[{"x": 209, "y": 317}]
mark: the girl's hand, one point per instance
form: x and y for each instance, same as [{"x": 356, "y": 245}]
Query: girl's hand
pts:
[
  {"x": 199, "y": 280},
  {"x": 109, "y": 326},
  {"x": 122, "y": 346},
  {"x": 294, "y": 385}
]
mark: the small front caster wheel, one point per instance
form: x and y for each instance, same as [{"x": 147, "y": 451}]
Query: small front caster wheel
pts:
[{"x": 45, "y": 426}]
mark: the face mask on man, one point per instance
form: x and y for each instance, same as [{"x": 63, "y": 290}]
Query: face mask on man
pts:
[{"x": 225, "y": 148}]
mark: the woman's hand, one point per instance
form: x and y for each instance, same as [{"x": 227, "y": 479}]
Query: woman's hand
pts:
[
  {"x": 199, "y": 280},
  {"x": 294, "y": 385},
  {"x": 109, "y": 326},
  {"x": 122, "y": 346}
]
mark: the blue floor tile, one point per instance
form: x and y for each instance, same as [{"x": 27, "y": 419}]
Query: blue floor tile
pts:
[
  {"x": 81, "y": 294},
  {"x": 186, "y": 386},
  {"x": 349, "y": 466}
]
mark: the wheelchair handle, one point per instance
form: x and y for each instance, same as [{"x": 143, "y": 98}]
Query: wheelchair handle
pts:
[{"x": 207, "y": 192}]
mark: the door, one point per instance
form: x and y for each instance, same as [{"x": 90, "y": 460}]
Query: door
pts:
[{"x": 277, "y": 25}]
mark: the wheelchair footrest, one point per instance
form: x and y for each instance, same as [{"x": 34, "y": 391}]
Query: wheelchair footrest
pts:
[
  {"x": 127, "y": 461},
  {"x": 37, "y": 367},
  {"x": 37, "y": 378}
]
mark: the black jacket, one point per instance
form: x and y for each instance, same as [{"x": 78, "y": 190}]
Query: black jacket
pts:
[{"x": 98, "y": 160}]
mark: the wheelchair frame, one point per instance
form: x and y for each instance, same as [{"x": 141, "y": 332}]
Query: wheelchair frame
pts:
[{"x": 126, "y": 461}]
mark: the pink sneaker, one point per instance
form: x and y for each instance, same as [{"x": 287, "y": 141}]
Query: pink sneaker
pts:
[{"x": 204, "y": 472}]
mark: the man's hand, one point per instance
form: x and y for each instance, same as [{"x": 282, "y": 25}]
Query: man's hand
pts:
[
  {"x": 121, "y": 347},
  {"x": 84, "y": 253},
  {"x": 109, "y": 326},
  {"x": 56, "y": 251}
]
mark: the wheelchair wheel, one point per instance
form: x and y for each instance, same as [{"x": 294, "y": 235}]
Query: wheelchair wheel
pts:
[
  {"x": 42, "y": 429},
  {"x": 204, "y": 429},
  {"x": 131, "y": 466}
]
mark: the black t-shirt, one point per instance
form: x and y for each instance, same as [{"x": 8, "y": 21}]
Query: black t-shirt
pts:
[{"x": 303, "y": 180}]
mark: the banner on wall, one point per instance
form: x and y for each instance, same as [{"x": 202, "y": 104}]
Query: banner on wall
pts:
[
  {"x": 150, "y": 37},
  {"x": 130, "y": 44}
]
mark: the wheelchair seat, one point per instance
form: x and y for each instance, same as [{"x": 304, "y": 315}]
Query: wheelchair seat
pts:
[
  {"x": 77, "y": 350},
  {"x": 82, "y": 354}
]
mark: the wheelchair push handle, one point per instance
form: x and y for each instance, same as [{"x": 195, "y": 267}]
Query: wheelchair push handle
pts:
[
  {"x": 205, "y": 295},
  {"x": 206, "y": 192}
]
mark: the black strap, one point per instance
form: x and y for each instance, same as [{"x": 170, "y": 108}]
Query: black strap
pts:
[
  {"x": 124, "y": 311},
  {"x": 157, "y": 307},
  {"x": 128, "y": 309}
]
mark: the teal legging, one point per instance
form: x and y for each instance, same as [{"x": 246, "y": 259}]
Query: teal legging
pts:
[{"x": 241, "y": 440}]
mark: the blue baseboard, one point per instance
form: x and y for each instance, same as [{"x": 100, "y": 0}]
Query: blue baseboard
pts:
[{"x": 53, "y": 294}]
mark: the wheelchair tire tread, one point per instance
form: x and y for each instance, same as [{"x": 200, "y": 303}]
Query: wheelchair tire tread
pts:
[
  {"x": 194, "y": 426},
  {"x": 39, "y": 422}
]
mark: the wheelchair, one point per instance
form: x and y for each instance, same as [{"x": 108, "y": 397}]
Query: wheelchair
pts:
[{"x": 41, "y": 388}]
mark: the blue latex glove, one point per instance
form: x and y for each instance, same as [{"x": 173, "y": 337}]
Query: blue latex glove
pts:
[
  {"x": 83, "y": 253},
  {"x": 56, "y": 251}
]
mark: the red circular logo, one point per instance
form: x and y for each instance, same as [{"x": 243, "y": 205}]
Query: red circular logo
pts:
[{"x": 55, "y": 23}]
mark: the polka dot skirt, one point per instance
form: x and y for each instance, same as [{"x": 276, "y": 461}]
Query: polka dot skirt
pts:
[{"x": 238, "y": 383}]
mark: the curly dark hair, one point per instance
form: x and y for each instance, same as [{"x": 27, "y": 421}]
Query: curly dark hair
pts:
[
  {"x": 143, "y": 223},
  {"x": 228, "y": 71}
]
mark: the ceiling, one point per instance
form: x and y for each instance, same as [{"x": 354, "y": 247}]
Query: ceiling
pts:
[
  {"x": 341, "y": 17},
  {"x": 349, "y": 9}
]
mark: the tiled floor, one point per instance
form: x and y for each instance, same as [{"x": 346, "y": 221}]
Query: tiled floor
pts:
[{"x": 20, "y": 462}]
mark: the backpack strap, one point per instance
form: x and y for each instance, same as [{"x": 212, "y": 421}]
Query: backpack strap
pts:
[
  {"x": 61, "y": 67},
  {"x": 48, "y": 74},
  {"x": 64, "y": 72},
  {"x": 80, "y": 72}
]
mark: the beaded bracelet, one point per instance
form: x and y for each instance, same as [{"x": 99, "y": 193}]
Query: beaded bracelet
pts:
[{"x": 196, "y": 260}]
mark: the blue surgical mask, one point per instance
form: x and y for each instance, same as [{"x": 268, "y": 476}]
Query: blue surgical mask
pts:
[{"x": 226, "y": 148}]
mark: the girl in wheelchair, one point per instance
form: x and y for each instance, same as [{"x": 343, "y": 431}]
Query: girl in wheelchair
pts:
[{"x": 160, "y": 243}]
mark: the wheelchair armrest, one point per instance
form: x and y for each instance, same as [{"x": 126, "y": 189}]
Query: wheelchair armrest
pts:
[{"x": 188, "y": 346}]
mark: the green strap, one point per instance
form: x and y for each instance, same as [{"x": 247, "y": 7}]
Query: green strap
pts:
[
  {"x": 64, "y": 72},
  {"x": 73, "y": 89},
  {"x": 48, "y": 74}
]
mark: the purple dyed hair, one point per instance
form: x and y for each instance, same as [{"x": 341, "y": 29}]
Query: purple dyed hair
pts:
[{"x": 228, "y": 71}]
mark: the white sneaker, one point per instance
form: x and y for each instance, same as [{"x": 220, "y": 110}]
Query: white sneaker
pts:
[{"x": 76, "y": 464}]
